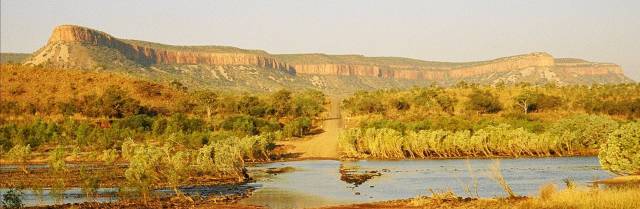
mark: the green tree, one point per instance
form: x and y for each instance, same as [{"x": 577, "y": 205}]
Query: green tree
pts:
[
  {"x": 56, "y": 160},
  {"x": 526, "y": 100},
  {"x": 281, "y": 102},
  {"x": 621, "y": 153},
  {"x": 298, "y": 127},
  {"x": 142, "y": 172},
  {"x": 208, "y": 100},
  {"x": 20, "y": 154},
  {"x": 447, "y": 103},
  {"x": 483, "y": 102},
  {"x": 11, "y": 199}
]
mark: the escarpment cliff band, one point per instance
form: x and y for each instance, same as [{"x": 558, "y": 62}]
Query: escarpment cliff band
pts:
[
  {"x": 149, "y": 55},
  {"x": 68, "y": 43}
]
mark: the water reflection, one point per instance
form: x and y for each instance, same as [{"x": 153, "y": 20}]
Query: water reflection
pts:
[{"x": 321, "y": 180}]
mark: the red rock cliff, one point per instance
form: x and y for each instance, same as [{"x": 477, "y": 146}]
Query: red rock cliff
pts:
[
  {"x": 162, "y": 54},
  {"x": 149, "y": 55}
]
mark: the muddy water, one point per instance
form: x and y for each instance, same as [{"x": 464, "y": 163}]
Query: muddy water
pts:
[
  {"x": 315, "y": 183},
  {"x": 318, "y": 182}
]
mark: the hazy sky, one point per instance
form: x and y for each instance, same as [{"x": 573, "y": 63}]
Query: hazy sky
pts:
[{"x": 607, "y": 31}]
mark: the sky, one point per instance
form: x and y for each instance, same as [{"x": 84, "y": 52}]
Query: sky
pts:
[{"x": 452, "y": 30}]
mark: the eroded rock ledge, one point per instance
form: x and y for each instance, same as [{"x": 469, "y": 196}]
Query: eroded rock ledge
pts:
[{"x": 146, "y": 53}]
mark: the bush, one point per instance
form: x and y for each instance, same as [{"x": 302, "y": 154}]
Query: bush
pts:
[
  {"x": 298, "y": 127},
  {"x": 621, "y": 153},
  {"x": 143, "y": 169},
  {"x": 584, "y": 131},
  {"x": 56, "y": 160},
  {"x": 136, "y": 122},
  {"x": 483, "y": 102},
  {"x": 20, "y": 154},
  {"x": 11, "y": 199},
  {"x": 241, "y": 124}
]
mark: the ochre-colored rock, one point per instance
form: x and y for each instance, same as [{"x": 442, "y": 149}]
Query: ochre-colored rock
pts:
[{"x": 148, "y": 54}]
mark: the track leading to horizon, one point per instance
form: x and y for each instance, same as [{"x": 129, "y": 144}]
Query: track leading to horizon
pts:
[{"x": 325, "y": 144}]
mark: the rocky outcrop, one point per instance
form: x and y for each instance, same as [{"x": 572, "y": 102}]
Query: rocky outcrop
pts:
[
  {"x": 148, "y": 55},
  {"x": 58, "y": 50},
  {"x": 590, "y": 69},
  {"x": 418, "y": 73}
]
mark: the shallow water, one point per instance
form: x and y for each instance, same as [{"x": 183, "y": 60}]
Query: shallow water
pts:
[{"x": 317, "y": 183}]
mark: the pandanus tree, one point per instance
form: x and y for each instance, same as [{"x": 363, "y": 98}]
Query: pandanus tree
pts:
[{"x": 621, "y": 153}]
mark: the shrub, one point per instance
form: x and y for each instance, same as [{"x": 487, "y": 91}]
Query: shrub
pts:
[
  {"x": 308, "y": 104},
  {"x": 241, "y": 124},
  {"x": 584, "y": 131},
  {"x": 483, "y": 102},
  {"x": 298, "y": 127},
  {"x": 143, "y": 169},
  {"x": 136, "y": 122},
  {"x": 11, "y": 199},
  {"x": 621, "y": 153},
  {"x": 20, "y": 154},
  {"x": 56, "y": 160}
]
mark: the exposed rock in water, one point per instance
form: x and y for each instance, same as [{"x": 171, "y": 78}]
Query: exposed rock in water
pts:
[{"x": 352, "y": 176}]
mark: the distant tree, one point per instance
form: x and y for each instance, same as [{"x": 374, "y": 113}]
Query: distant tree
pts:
[
  {"x": 177, "y": 85},
  {"x": 483, "y": 102},
  {"x": 115, "y": 102},
  {"x": 621, "y": 153},
  {"x": 298, "y": 127},
  {"x": 241, "y": 124},
  {"x": 143, "y": 170},
  {"x": 462, "y": 85},
  {"x": 308, "y": 103},
  {"x": 251, "y": 105},
  {"x": 208, "y": 100},
  {"x": 281, "y": 102},
  {"x": 20, "y": 154},
  {"x": 56, "y": 160},
  {"x": 527, "y": 100},
  {"x": 363, "y": 102},
  {"x": 447, "y": 103}
]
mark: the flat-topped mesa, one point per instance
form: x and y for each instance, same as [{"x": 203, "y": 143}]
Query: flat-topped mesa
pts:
[
  {"x": 538, "y": 59},
  {"x": 583, "y": 67},
  {"x": 153, "y": 55},
  {"x": 73, "y": 46}
]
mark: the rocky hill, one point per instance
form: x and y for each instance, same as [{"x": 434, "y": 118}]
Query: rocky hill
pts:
[{"x": 228, "y": 67}]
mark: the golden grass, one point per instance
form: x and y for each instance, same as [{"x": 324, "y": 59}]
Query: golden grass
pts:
[
  {"x": 586, "y": 198},
  {"x": 496, "y": 175},
  {"x": 547, "y": 191}
]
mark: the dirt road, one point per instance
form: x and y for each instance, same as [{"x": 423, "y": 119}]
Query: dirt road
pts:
[{"x": 323, "y": 145}]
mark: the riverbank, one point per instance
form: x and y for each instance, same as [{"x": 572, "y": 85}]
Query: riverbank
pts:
[{"x": 548, "y": 198}]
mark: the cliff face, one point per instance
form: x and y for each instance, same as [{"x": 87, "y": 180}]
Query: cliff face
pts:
[
  {"x": 148, "y": 55},
  {"x": 68, "y": 45}
]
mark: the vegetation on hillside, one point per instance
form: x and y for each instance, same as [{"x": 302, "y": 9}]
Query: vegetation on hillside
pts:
[{"x": 166, "y": 134}]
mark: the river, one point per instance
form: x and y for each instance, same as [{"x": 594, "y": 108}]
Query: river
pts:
[{"x": 315, "y": 183}]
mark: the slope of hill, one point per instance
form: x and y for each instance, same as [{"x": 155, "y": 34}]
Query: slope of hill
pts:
[
  {"x": 48, "y": 87},
  {"x": 233, "y": 68}
]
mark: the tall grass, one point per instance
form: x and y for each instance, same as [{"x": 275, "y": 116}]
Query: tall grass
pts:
[
  {"x": 496, "y": 175},
  {"x": 587, "y": 198},
  {"x": 491, "y": 141}
]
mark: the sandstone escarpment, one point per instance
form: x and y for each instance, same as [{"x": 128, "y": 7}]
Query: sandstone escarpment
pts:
[
  {"x": 429, "y": 73},
  {"x": 589, "y": 68},
  {"x": 148, "y": 55},
  {"x": 75, "y": 46}
]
